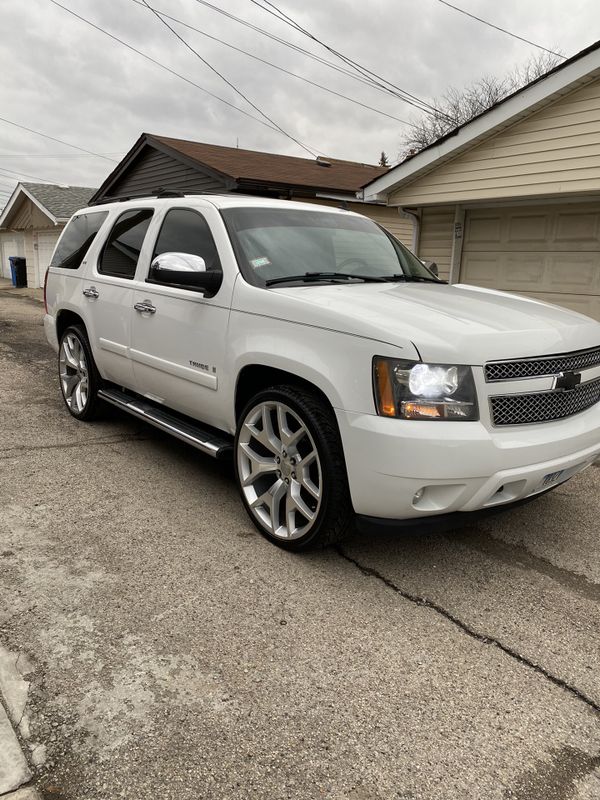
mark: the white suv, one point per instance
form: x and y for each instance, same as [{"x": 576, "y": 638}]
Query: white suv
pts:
[{"x": 349, "y": 383}]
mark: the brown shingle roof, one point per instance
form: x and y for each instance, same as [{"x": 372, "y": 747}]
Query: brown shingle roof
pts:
[{"x": 251, "y": 165}]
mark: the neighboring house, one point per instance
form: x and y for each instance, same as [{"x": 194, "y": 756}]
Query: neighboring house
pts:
[
  {"x": 32, "y": 221},
  {"x": 157, "y": 162},
  {"x": 511, "y": 200}
]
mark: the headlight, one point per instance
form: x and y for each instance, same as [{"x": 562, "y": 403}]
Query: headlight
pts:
[{"x": 413, "y": 390}]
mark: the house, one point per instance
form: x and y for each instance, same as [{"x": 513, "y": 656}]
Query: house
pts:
[
  {"x": 511, "y": 199},
  {"x": 158, "y": 162},
  {"x": 32, "y": 221}
]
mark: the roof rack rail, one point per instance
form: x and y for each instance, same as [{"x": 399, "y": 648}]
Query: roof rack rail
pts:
[{"x": 158, "y": 193}]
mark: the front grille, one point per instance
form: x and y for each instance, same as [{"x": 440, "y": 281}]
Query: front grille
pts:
[
  {"x": 545, "y": 365},
  {"x": 523, "y": 409}
]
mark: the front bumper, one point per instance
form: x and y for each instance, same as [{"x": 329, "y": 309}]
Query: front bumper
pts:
[{"x": 459, "y": 466}]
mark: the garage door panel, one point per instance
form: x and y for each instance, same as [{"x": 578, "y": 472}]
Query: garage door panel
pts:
[
  {"x": 581, "y": 228},
  {"x": 481, "y": 270},
  {"x": 527, "y": 229},
  {"x": 551, "y": 253}
]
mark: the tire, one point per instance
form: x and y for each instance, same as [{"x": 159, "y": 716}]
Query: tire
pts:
[
  {"x": 77, "y": 374},
  {"x": 290, "y": 469}
]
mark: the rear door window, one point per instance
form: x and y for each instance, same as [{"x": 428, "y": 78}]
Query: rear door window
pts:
[
  {"x": 77, "y": 239},
  {"x": 121, "y": 251}
]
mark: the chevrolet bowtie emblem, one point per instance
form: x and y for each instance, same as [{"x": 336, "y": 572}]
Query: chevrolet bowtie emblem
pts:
[{"x": 567, "y": 380}]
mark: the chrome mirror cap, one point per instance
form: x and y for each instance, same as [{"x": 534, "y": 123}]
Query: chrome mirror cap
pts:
[{"x": 178, "y": 262}]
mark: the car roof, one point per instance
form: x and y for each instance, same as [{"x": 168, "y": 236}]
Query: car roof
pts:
[{"x": 220, "y": 201}]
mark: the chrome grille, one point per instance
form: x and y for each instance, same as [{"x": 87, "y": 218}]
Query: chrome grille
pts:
[
  {"x": 545, "y": 365},
  {"x": 523, "y": 409}
]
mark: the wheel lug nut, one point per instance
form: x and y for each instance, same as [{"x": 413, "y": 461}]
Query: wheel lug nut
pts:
[
  {"x": 284, "y": 454},
  {"x": 294, "y": 475},
  {"x": 287, "y": 480},
  {"x": 277, "y": 460}
]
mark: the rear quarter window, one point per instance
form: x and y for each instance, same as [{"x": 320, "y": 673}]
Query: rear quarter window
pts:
[{"x": 77, "y": 239}]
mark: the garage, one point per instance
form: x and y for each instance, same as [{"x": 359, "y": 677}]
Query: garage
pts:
[
  {"x": 510, "y": 200},
  {"x": 550, "y": 252},
  {"x": 32, "y": 221}
]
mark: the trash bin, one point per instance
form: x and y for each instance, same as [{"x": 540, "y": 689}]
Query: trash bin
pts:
[{"x": 18, "y": 271}]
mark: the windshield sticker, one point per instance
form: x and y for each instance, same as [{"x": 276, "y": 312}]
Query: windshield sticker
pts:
[{"x": 260, "y": 262}]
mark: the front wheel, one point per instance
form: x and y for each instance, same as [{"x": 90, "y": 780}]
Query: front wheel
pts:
[
  {"x": 290, "y": 469},
  {"x": 78, "y": 376}
]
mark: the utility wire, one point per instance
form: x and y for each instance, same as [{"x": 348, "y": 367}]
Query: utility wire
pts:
[
  {"x": 25, "y": 175},
  {"x": 350, "y": 73},
  {"x": 402, "y": 94},
  {"x": 502, "y": 30},
  {"x": 228, "y": 82},
  {"x": 52, "y": 155},
  {"x": 275, "y": 66},
  {"x": 161, "y": 65},
  {"x": 54, "y": 139}
]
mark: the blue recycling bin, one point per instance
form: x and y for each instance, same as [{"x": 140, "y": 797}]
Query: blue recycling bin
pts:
[{"x": 18, "y": 271}]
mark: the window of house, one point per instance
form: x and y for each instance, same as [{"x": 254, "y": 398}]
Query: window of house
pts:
[
  {"x": 120, "y": 254},
  {"x": 186, "y": 231},
  {"x": 76, "y": 239}
]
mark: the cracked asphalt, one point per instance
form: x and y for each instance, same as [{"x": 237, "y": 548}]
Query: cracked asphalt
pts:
[{"x": 176, "y": 654}]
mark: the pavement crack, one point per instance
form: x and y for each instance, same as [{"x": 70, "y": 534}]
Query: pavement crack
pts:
[
  {"x": 11, "y": 451},
  {"x": 425, "y": 602}
]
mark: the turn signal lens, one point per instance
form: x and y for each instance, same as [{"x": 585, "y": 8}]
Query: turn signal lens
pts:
[
  {"x": 385, "y": 391},
  {"x": 421, "y": 411}
]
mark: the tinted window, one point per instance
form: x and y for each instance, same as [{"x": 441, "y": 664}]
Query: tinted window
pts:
[
  {"x": 76, "y": 239},
  {"x": 122, "y": 249},
  {"x": 185, "y": 231}
]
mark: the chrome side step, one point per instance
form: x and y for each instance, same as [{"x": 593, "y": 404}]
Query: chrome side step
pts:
[{"x": 208, "y": 442}]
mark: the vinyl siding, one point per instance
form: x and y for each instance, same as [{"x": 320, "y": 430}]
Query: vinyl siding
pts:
[
  {"x": 553, "y": 152},
  {"x": 154, "y": 170},
  {"x": 436, "y": 237}
]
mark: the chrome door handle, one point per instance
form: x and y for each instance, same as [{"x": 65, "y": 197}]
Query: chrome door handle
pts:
[
  {"x": 145, "y": 307},
  {"x": 91, "y": 292}
]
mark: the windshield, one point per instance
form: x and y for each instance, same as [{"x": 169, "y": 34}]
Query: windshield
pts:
[{"x": 276, "y": 244}]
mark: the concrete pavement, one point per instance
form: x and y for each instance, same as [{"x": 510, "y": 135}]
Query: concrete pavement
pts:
[{"x": 176, "y": 654}]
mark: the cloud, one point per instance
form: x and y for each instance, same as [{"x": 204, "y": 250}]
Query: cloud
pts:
[{"x": 68, "y": 80}]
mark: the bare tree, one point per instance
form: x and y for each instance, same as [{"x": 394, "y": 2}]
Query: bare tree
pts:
[
  {"x": 383, "y": 159},
  {"x": 457, "y": 106}
]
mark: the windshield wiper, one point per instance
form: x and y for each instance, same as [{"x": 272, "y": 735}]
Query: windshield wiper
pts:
[
  {"x": 320, "y": 276},
  {"x": 412, "y": 278}
]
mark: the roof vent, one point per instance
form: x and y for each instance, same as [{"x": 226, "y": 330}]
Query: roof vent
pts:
[{"x": 322, "y": 162}]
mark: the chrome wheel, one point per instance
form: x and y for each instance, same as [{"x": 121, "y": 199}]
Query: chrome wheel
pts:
[
  {"x": 73, "y": 370},
  {"x": 279, "y": 470}
]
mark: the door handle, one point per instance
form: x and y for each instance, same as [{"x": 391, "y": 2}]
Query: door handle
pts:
[
  {"x": 91, "y": 292},
  {"x": 145, "y": 307}
]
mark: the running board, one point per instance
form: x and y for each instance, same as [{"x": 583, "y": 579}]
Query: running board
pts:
[{"x": 208, "y": 442}]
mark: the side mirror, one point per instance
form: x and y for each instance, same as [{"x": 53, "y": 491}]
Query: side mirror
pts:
[
  {"x": 432, "y": 267},
  {"x": 185, "y": 270}
]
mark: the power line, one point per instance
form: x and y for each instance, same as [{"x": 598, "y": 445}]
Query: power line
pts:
[
  {"x": 52, "y": 155},
  {"x": 25, "y": 175},
  {"x": 402, "y": 94},
  {"x": 502, "y": 30},
  {"x": 276, "y": 66},
  {"x": 53, "y": 138},
  {"x": 349, "y": 73},
  {"x": 228, "y": 82},
  {"x": 163, "y": 66}
]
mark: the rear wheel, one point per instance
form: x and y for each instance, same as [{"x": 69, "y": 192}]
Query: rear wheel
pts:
[
  {"x": 78, "y": 376},
  {"x": 290, "y": 469}
]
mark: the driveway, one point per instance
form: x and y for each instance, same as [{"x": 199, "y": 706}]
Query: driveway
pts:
[{"x": 176, "y": 654}]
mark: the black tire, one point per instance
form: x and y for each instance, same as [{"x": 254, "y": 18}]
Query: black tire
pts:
[
  {"x": 90, "y": 409},
  {"x": 335, "y": 515}
]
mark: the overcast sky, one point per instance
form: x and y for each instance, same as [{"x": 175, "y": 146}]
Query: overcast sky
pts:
[{"x": 65, "y": 79}]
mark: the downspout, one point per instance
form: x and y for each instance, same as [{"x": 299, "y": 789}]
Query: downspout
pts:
[{"x": 416, "y": 216}]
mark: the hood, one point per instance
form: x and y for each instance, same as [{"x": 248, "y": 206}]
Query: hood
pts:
[{"x": 452, "y": 324}]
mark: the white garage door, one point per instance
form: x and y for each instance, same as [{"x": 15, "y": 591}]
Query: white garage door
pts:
[
  {"x": 548, "y": 252},
  {"x": 46, "y": 242}
]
